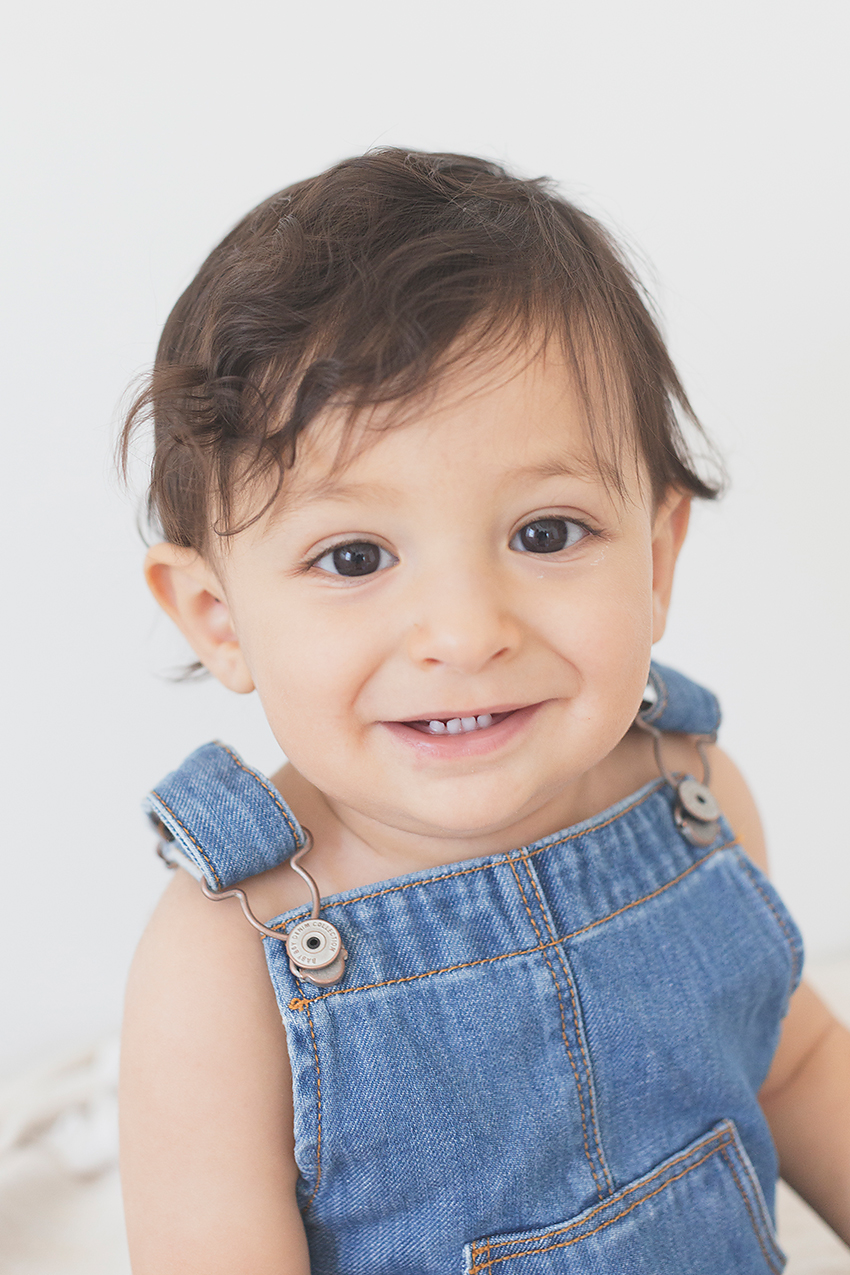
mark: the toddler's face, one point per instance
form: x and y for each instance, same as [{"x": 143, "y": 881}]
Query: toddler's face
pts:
[{"x": 451, "y": 630}]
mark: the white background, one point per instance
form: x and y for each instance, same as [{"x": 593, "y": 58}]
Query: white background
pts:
[{"x": 711, "y": 134}]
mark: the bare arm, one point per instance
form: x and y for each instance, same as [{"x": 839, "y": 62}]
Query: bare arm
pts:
[
  {"x": 806, "y": 1096},
  {"x": 206, "y": 1100}
]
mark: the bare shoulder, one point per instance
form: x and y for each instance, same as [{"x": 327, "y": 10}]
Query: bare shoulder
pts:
[
  {"x": 206, "y": 1098},
  {"x": 729, "y": 787},
  {"x": 738, "y": 805}
]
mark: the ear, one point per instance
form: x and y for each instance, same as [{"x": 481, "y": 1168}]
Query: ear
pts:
[
  {"x": 668, "y": 533},
  {"x": 188, "y": 590}
]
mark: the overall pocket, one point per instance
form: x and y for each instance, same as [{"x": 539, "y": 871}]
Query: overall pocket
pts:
[{"x": 700, "y": 1212}]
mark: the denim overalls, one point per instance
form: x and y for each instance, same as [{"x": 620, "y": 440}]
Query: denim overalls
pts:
[{"x": 540, "y": 1062}]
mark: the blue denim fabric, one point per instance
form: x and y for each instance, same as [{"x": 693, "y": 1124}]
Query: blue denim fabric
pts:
[
  {"x": 539, "y": 1062},
  {"x": 236, "y": 823},
  {"x": 681, "y": 705}
]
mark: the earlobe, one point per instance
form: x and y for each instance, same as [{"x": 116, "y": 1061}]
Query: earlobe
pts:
[
  {"x": 189, "y": 592},
  {"x": 668, "y": 534}
]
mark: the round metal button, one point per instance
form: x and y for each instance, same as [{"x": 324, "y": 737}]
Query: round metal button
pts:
[
  {"x": 322, "y": 978},
  {"x": 696, "y": 831},
  {"x": 697, "y": 800},
  {"x": 313, "y": 944}
]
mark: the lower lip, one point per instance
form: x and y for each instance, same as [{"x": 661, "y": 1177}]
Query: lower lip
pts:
[{"x": 474, "y": 743}]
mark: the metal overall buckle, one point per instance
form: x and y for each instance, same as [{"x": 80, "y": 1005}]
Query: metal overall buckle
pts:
[
  {"x": 314, "y": 946},
  {"x": 696, "y": 812}
]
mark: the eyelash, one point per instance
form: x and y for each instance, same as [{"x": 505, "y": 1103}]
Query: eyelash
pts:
[
  {"x": 541, "y": 518},
  {"x": 343, "y": 544},
  {"x": 330, "y": 549}
]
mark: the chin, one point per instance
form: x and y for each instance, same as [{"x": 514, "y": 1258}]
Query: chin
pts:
[{"x": 464, "y": 820}]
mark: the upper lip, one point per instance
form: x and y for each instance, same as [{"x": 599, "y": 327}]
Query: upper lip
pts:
[{"x": 448, "y": 715}]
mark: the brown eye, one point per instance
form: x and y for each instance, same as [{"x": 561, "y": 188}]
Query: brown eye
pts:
[
  {"x": 547, "y": 535},
  {"x": 358, "y": 558}
]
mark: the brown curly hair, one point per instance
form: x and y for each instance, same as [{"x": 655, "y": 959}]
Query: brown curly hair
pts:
[{"x": 360, "y": 286}]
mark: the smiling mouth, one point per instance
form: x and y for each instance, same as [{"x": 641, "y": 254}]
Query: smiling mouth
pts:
[{"x": 458, "y": 725}]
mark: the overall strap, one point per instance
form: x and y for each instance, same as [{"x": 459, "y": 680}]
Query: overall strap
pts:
[
  {"x": 679, "y": 704},
  {"x": 225, "y": 819}
]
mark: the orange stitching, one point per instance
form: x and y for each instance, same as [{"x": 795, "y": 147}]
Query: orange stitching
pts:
[
  {"x": 201, "y": 851},
  {"x": 263, "y": 784},
  {"x": 523, "y": 951},
  {"x": 343, "y": 903},
  {"x": 765, "y": 1253},
  {"x": 698, "y": 863},
  {"x": 563, "y": 1033},
  {"x": 795, "y": 960},
  {"x": 533, "y": 1252},
  {"x": 484, "y": 867},
  {"x": 298, "y": 1003},
  {"x": 749, "y": 1174},
  {"x": 570, "y": 985},
  {"x": 319, "y": 1111},
  {"x": 447, "y": 969},
  {"x": 718, "y": 1137}
]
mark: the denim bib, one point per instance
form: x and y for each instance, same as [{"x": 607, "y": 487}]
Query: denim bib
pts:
[{"x": 539, "y": 1062}]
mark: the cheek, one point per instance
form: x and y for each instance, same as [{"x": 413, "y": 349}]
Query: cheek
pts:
[
  {"x": 604, "y": 629},
  {"x": 609, "y": 611},
  {"x": 310, "y": 666}
]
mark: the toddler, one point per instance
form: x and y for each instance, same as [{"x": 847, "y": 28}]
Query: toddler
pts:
[{"x": 524, "y": 1002}]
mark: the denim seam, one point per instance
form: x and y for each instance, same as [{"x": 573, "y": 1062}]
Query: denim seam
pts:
[
  {"x": 485, "y": 867},
  {"x": 318, "y": 1112},
  {"x": 655, "y": 713},
  {"x": 795, "y": 956},
  {"x": 201, "y": 851},
  {"x": 297, "y": 1004},
  {"x": 533, "y": 1252},
  {"x": 264, "y": 785},
  {"x": 653, "y": 895},
  {"x": 445, "y": 969},
  {"x": 745, "y": 1164},
  {"x": 630, "y": 1190},
  {"x": 578, "y": 1028},
  {"x": 563, "y": 1033},
  {"x": 776, "y": 1269},
  {"x": 524, "y": 951}
]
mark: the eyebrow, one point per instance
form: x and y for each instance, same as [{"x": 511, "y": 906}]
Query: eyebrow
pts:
[
  {"x": 560, "y": 467},
  {"x": 335, "y": 489},
  {"x": 329, "y": 489}
]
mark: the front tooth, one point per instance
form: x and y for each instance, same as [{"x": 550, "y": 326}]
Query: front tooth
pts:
[
  {"x": 437, "y": 728},
  {"x": 468, "y": 723},
  {"x": 485, "y": 720},
  {"x": 455, "y": 726}
]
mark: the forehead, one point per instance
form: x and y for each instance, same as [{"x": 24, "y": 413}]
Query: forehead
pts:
[{"x": 498, "y": 417}]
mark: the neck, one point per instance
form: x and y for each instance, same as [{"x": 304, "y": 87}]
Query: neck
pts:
[{"x": 353, "y": 849}]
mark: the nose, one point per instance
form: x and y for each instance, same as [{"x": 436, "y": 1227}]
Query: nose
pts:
[{"x": 463, "y": 623}]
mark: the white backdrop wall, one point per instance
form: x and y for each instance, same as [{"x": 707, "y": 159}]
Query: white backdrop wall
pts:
[{"x": 711, "y": 134}]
